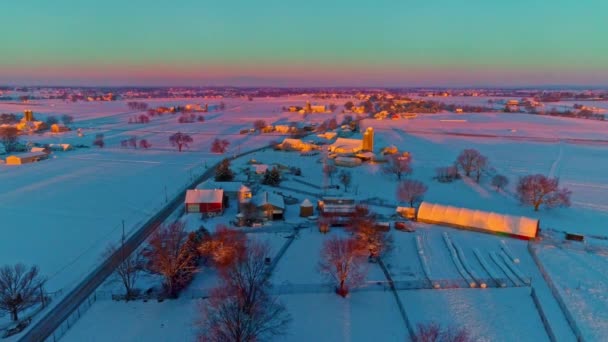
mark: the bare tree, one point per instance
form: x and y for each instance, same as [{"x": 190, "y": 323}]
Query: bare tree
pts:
[
  {"x": 471, "y": 161},
  {"x": 180, "y": 140},
  {"x": 224, "y": 247},
  {"x": 128, "y": 269},
  {"x": 433, "y": 332},
  {"x": 411, "y": 191},
  {"x": 67, "y": 119},
  {"x": 99, "y": 142},
  {"x": 169, "y": 253},
  {"x": 372, "y": 241},
  {"x": 219, "y": 145},
  {"x": 249, "y": 211},
  {"x": 446, "y": 174},
  {"x": 259, "y": 125},
  {"x": 329, "y": 170},
  {"x": 341, "y": 262},
  {"x": 398, "y": 165},
  {"x": 9, "y": 136},
  {"x": 143, "y": 143},
  {"x": 537, "y": 190},
  {"x": 241, "y": 309},
  {"x": 500, "y": 181},
  {"x": 51, "y": 120},
  {"x": 20, "y": 289},
  {"x": 345, "y": 178}
]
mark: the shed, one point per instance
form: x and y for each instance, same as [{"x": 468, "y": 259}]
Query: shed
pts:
[
  {"x": 347, "y": 161},
  {"x": 306, "y": 208},
  {"x": 206, "y": 201},
  {"x": 25, "y": 158},
  {"x": 515, "y": 226},
  {"x": 270, "y": 205}
]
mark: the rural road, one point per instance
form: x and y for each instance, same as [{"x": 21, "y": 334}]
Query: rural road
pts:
[{"x": 46, "y": 325}]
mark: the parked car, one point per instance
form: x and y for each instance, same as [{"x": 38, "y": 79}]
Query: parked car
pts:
[{"x": 404, "y": 226}]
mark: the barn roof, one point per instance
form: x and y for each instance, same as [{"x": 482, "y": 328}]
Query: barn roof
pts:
[
  {"x": 269, "y": 198},
  {"x": 226, "y": 186},
  {"x": 204, "y": 196},
  {"x": 477, "y": 219},
  {"x": 306, "y": 203}
]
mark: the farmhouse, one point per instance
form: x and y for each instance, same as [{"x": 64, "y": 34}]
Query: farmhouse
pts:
[
  {"x": 271, "y": 206},
  {"x": 290, "y": 144},
  {"x": 60, "y": 147},
  {"x": 489, "y": 222},
  {"x": 205, "y": 201},
  {"x": 25, "y": 158},
  {"x": 234, "y": 190}
]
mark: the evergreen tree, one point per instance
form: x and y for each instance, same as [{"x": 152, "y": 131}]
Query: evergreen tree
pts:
[
  {"x": 272, "y": 177},
  {"x": 223, "y": 173}
]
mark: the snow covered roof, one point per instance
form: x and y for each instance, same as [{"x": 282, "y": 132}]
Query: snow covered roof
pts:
[
  {"x": 477, "y": 219},
  {"x": 226, "y": 186},
  {"x": 260, "y": 168},
  {"x": 28, "y": 155},
  {"x": 204, "y": 196},
  {"x": 306, "y": 203},
  {"x": 346, "y": 145},
  {"x": 37, "y": 149},
  {"x": 269, "y": 198}
]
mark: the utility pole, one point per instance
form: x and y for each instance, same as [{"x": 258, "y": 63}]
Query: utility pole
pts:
[{"x": 166, "y": 197}]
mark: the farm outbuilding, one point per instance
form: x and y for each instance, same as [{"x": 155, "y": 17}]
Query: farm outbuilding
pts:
[
  {"x": 347, "y": 161},
  {"x": 205, "y": 201},
  {"x": 234, "y": 190},
  {"x": 306, "y": 208},
  {"x": 270, "y": 205},
  {"x": 516, "y": 226},
  {"x": 25, "y": 158}
]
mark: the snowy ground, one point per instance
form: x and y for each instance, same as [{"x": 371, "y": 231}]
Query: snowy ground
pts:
[
  {"x": 488, "y": 315},
  {"x": 70, "y": 207},
  {"x": 583, "y": 286}
]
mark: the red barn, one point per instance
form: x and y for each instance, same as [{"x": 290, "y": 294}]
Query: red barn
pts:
[{"x": 205, "y": 201}]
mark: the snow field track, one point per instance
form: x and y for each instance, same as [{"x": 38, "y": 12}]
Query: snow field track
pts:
[
  {"x": 500, "y": 281},
  {"x": 467, "y": 277},
  {"x": 497, "y": 260},
  {"x": 508, "y": 251},
  {"x": 424, "y": 262},
  {"x": 514, "y": 269}
]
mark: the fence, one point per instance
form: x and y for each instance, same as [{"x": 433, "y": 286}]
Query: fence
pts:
[
  {"x": 72, "y": 319},
  {"x": 406, "y": 320},
  {"x": 556, "y": 294},
  {"x": 543, "y": 316}
]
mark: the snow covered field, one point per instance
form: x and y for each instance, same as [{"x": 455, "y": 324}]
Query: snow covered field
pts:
[
  {"x": 581, "y": 278},
  {"x": 70, "y": 207},
  {"x": 488, "y": 315}
]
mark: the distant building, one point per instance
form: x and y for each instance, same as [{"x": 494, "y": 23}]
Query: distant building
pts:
[
  {"x": 346, "y": 146},
  {"x": 25, "y": 158},
  {"x": 28, "y": 115},
  {"x": 306, "y": 208},
  {"x": 205, "y": 201},
  {"x": 368, "y": 140}
]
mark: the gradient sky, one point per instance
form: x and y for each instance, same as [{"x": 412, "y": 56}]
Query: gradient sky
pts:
[{"x": 301, "y": 43}]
